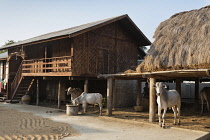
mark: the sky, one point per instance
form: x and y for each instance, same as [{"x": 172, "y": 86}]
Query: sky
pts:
[{"x": 23, "y": 19}]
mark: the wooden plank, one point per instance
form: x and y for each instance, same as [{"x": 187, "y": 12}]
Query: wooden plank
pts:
[
  {"x": 49, "y": 74},
  {"x": 109, "y": 96},
  {"x": 152, "y": 100}
]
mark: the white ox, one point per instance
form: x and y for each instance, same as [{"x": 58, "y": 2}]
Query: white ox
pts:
[
  {"x": 167, "y": 99},
  {"x": 74, "y": 92},
  {"x": 205, "y": 96},
  {"x": 88, "y": 98}
]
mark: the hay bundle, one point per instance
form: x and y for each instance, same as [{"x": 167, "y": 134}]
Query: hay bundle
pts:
[{"x": 181, "y": 42}]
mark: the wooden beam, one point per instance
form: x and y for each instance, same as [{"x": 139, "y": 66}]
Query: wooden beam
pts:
[
  {"x": 86, "y": 86},
  {"x": 114, "y": 102},
  {"x": 37, "y": 92},
  {"x": 59, "y": 94},
  {"x": 109, "y": 96},
  {"x": 152, "y": 100},
  {"x": 138, "y": 99}
]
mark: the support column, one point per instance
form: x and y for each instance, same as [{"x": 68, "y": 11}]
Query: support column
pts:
[
  {"x": 114, "y": 102},
  {"x": 37, "y": 92},
  {"x": 109, "y": 96},
  {"x": 138, "y": 99},
  {"x": 86, "y": 86},
  {"x": 59, "y": 94},
  {"x": 179, "y": 85},
  {"x": 196, "y": 96},
  {"x": 152, "y": 100}
]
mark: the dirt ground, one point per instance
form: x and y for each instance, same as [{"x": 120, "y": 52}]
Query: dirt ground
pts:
[
  {"x": 190, "y": 119},
  {"x": 24, "y": 126}
]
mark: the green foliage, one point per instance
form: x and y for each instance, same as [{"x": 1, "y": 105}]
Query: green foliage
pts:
[{"x": 9, "y": 42}]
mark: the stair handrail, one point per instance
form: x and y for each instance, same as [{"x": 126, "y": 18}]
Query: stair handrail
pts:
[{"x": 16, "y": 82}]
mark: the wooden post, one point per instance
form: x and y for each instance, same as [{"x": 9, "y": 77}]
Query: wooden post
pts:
[
  {"x": 152, "y": 100},
  {"x": 109, "y": 96},
  {"x": 138, "y": 100},
  {"x": 178, "y": 86},
  {"x": 86, "y": 86},
  {"x": 59, "y": 94},
  {"x": 196, "y": 97},
  {"x": 37, "y": 92},
  {"x": 114, "y": 95}
]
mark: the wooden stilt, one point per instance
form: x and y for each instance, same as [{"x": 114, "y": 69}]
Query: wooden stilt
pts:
[
  {"x": 196, "y": 97},
  {"x": 37, "y": 92},
  {"x": 86, "y": 86},
  {"x": 114, "y": 103},
  {"x": 59, "y": 94},
  {"x": 152, "y": 100},
  {"x": 109, "y": 96},
  {"x": 138, "y": 100},
  {"x": 178, "y": 85}
]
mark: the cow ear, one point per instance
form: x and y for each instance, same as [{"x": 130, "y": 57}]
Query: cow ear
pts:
[{"x": 164, "y": 86}]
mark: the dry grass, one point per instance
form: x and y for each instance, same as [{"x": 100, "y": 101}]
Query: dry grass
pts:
[{"x": 181, "y": 42}]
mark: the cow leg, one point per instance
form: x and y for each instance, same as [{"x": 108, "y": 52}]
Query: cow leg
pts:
[
  {"x": 175, "y": 114},
  {"x": 202, "y": 105},
  {"x": 207, "y": 104},
  {"x": 84, "y": 108},
  {"x": 178, "y": 115},
  {"x": 100, "y": 107},
  {"x": 163, "y": 117},
  {"x": 159, "y": 115}
]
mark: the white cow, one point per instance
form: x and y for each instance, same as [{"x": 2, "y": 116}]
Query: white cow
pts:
[
  {"x": 74, "y": 92},
  {"x": 205, "y": 96},
  {"x": 88, "y": 98},
  {"x": 167, "y": 99}
]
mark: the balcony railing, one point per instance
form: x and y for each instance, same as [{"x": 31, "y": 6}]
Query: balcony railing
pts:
[{"x": 47, "y": 65}]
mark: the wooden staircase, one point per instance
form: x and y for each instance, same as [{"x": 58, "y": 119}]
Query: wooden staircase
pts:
[{"x": 20, "y": 86}]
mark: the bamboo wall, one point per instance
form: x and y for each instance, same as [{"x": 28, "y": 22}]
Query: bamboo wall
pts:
[{"x": 108, "y": 49}]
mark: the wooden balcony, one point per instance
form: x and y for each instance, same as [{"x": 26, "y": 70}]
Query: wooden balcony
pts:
[{"x": 55, "y": 66}]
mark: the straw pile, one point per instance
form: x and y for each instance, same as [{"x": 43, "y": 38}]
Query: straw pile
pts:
[{"x": 181, "y": 42}]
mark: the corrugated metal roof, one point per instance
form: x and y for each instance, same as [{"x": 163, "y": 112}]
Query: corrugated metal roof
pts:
[
  {"x": 70, "y": 31},
  {"x": 3, "y": 55}
]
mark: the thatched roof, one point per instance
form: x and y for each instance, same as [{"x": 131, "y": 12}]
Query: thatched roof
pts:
[{"x": 181, "y": 42}]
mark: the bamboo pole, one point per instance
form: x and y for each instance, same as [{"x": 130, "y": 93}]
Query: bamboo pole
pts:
[
  {"x": 152, "y": 100},
  {"x": 109, "y": 96}
]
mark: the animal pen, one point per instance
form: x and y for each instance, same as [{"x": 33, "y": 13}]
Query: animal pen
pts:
[
  {"x": 180, "y": 52},
  {"x": 45, "y": 66}
]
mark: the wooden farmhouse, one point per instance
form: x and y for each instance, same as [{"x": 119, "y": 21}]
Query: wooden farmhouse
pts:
[{"x": 46, "y": 65}]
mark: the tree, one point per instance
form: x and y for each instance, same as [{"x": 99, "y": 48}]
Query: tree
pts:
[{"x": 9, "y": 42}]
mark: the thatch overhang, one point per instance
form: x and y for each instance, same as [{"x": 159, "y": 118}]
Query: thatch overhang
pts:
[
  {"x": 162, "y": 75},
  {"x": 124, "y": 21},
  {"x": 181, "y": 42}
]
